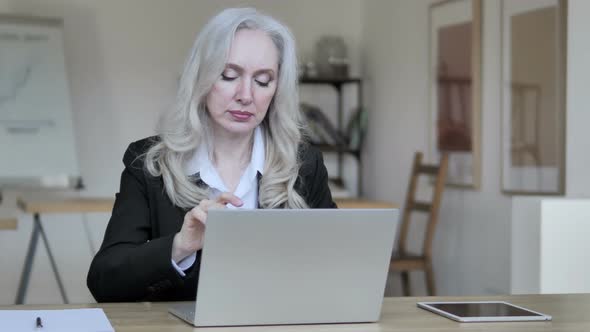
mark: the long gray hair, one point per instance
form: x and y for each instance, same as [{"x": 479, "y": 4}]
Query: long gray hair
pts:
[{"x": 185, "y": 126}]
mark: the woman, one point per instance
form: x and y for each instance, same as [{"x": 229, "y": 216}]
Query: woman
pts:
[{"x": 233, "y": 139}]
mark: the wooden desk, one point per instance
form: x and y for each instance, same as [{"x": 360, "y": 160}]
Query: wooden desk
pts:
[
  {"x": 66, "y": 205},
  {"x": 358, "y": 203},
  {"x": 84, "y": 205},
  {"x": 52, "y": 205},
  {"x": 8, "y": 223},
  {"x": 570, "y": 313}
]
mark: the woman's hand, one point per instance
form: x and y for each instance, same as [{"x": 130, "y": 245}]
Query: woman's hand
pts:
[{"x": 190, "y": 237}]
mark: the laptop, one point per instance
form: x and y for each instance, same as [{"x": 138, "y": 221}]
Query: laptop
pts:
[{"x": 308, "y": 266}]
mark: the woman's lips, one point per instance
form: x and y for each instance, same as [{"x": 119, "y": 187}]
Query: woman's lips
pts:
[{"x": 241, "y": 116}]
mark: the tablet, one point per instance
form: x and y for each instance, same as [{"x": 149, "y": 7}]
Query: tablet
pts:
[{"x": 483, "y": 311}]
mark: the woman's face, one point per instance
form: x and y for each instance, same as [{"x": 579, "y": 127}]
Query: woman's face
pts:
[{"x": 239, "y": 99}]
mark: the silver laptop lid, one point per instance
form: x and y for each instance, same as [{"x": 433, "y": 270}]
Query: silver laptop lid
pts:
[{"x": 294, "y": 266}]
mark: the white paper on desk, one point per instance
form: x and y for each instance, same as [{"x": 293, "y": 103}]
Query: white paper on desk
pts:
[{"x": 64, "y": 320}]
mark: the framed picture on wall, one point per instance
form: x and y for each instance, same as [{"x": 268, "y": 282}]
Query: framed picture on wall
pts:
[
  {"x": 533, "y": 97},
  {"x": 455, "y": 88}
]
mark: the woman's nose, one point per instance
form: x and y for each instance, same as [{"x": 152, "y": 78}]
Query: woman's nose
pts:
[{"x": 244, "y": 93}]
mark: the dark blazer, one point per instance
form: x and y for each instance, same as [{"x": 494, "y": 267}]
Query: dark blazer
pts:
[{"x": 134, "y": 261}]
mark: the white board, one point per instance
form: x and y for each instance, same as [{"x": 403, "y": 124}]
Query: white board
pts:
[{"x": 37, "y": 145}]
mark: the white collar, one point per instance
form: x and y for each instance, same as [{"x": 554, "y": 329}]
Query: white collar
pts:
[{"x": 201, "y": 163}]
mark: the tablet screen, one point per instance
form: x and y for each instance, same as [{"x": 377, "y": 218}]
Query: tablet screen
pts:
[{"x": 485, "y": 309}]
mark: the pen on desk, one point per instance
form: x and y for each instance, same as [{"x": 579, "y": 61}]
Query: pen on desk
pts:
[{"x": 38, "y": 323}]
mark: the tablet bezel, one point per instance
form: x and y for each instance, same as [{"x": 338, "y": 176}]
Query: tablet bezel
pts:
[{"x": 472, "y": 319}]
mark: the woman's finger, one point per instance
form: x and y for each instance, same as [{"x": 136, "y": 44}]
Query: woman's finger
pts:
[
  {"x": 230, "y": 198},
  {"x": 200, "y": 215},
  {"x": 205, "y": 203}
]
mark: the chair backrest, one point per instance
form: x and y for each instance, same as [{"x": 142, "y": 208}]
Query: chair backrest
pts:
[{"x": 439, "y": 172}]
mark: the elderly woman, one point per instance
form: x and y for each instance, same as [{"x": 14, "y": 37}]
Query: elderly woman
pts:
[{"x": 232, "y": 140}]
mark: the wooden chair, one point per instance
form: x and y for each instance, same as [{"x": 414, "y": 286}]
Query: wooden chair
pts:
[{"x": 402, "y": 261}]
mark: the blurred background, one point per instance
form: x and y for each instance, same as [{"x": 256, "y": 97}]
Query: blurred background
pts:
[{"x": 374, "y": 82}]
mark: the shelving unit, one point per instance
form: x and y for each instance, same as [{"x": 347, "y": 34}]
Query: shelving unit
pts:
[{"x": 338, "y": 84}]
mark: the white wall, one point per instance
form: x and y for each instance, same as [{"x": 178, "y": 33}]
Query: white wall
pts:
[
  {"x": 123, "y": 59},
  {"x": 578, "y": 100},
  {"x": 525, "y": 245},
  {"x": 529, "y": 274},
  {"x": 565, "y": 225},
  {"x": 472, "y": 243},
  {"x": 5, "y": 5},
  {"x": 471, "y": 248},
  {"x": 549, "y": 245}
]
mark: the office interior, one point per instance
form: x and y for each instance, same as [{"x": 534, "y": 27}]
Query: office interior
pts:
[{"x": 123, "y": 59}]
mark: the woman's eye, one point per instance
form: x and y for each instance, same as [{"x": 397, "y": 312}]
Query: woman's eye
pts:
[
  {"x": 262, "y": 84},
  {"x": 227, "y": 77}
]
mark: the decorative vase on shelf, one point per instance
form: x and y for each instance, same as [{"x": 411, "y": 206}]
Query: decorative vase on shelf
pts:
[{"x": 331, "y": 57}]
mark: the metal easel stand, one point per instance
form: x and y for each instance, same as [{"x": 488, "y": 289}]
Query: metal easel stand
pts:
[{"x": 26, "y": 273}]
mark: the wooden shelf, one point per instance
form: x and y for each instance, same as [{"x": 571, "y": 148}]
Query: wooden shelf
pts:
[{"x": 337, "y": 83}]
